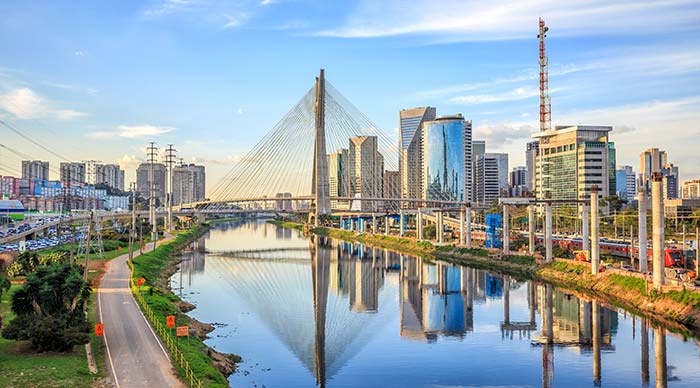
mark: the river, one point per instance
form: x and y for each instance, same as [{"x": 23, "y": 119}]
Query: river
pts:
[{"x": 305, "y": 312}]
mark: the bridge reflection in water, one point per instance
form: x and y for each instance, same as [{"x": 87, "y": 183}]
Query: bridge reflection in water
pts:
[{"x": 436, "y": 299}]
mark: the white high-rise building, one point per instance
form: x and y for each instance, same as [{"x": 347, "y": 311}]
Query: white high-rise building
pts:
[
  {"x": 491, "y": 177},
  {"x": 366, "y": 169},
  {"x": 189, "y": 183},
  {"x": 411, "y": 123}
]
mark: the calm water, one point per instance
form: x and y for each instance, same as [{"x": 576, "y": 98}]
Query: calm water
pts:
[{"x": 320, "y": 312}]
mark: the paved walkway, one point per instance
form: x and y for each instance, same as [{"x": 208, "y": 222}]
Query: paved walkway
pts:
[{"x": 135, "y": 355}]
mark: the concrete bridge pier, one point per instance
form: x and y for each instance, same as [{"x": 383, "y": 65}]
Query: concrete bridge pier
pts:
[
  {"x": 468, "y": 236},
  {"x": 657, "y": 216},
  {"x": 506, "y": 300},
  {"x": 531, "y": 228},
  {"x": 386, "y": 225},
  {"x": 586, "y": 243},
  {"x": 548, "y": 232},
  {"x": 595, "y": 235},
  {"x": 461, "y": 227},
  {"x": 596, "y": 344},
  {"x": 419, "y": 224},
  {"x": 375, "y": 227},
  {"x": 660, "y": 357},
  {"x": 643, "y": 259},
  {"x": 506, "y": 230},
  {"x": 645, "y": 351},
  {"x": 402, "y": 223},
  {"x": 440, "y": 228}
]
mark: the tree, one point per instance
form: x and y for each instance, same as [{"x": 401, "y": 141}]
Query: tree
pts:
[
  {"x": 49, "y": 309},
  {"x": 614, "y": 202},
  {"x": 4, "y": 285}
]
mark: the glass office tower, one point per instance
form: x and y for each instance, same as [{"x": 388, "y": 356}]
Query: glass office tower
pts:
[{"x": 447, "y": 159}]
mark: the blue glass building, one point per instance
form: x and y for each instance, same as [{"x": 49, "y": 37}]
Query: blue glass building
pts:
[{"x": 447, "y": 159}]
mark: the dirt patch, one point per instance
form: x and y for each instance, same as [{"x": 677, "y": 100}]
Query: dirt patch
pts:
[
  {"x": 184, "y": 306},
  {"x": 201, "y": 329},
  {"x": 225, "y": 363}
]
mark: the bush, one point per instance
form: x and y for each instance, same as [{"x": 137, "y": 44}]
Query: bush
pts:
[
  {"x": 429, "y": 232},
  {"x": 49, "y": 309}
]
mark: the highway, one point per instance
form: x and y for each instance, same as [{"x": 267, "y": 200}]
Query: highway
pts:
[{"x": 135, "y": 355}]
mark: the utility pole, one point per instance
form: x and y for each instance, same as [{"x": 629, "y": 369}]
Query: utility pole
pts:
[
  {"x": 152, "y": 154},
  {"x": 132, "y": 232},
  {"x": 170, "y": 159},
  {"x": 87, "y": 247}
]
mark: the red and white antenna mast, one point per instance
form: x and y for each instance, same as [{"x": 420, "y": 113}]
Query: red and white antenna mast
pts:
[{"x": 545, "y": 103}]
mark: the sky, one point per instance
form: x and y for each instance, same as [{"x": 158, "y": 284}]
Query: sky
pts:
[{"x": 97, "y": 80}]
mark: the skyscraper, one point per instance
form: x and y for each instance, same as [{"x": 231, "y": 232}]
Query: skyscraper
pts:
[
  {"x": 625, "y": 183},
  {"x": 35, "y": 169},
  {"x": 478, "y": 148},
  {"x": 491, "y": 168},
  {"x": 447, "y": 159},
  {"x": 654, "y": 160},
  {"x": 110, "y": 174},
  {"x": 518, "y": 181},
  {"x": 73, "y": 174},
  {"x": 366, "y": 169},
  {"x": 531, "y": 153},
  {"x": 339, "y": 177},
  {"x": 143, "y": 182},
  {"x": 189, "y": 182},
  {"x": 572, "y": 159},
  {"x": 411, "y": 123}
]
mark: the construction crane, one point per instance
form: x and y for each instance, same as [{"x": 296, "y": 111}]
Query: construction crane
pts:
[{"x": 545, "y": 103}]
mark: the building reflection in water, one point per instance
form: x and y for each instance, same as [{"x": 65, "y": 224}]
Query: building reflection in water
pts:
[{"x": 436, "y": 299}]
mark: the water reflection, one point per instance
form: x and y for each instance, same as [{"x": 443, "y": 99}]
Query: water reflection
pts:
[{"x": 328, "y": 302}]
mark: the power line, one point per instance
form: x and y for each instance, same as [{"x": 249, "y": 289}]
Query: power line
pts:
[{"x": 36, "y": 143}]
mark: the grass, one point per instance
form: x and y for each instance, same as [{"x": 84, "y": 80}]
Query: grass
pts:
[
  {"x": 629, "y": 282},
  {"x": 21, "y": 367},
  {"x": 685, "y": 297},
  {"x": 151, "y": 266},
  {"x": 563, "y": 266}
]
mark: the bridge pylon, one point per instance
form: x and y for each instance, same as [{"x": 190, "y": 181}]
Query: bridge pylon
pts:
[{"x": 320, "y": 180}]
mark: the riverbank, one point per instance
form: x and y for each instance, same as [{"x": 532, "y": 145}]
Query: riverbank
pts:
[
  {"x": 156, "y": 267},
  {"x": 674, "y": 306}
]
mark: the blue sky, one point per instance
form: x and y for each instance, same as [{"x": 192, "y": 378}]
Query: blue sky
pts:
[{"x": 97, "y": 80}]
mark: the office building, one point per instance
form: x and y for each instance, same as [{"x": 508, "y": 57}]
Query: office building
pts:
[
  {"x": 366, "y": 169},
  {"x": 691, "y": 189},
  {"x": 478, "y": 148},
  {"x": 189, "y": 183},
  {"x": 491, "y": 177},
  {"x": 531, "y": 154},
  {"x": 447, "y": 159},
  {"x": 35, "y": 169},
  {"x": 109, "y": 174},
  {"x": 73, "y": 174},
  {"x": 411, "y": 123},
  {"x": 518, "y": 181},
  {"x": 571, "y": 160},
  {"x": 626, "y": 183},
  {"x": 392, "y": 184},
  {"x": 339, "y": 177},
  {"x": 654, "y": 160},
  {"x": 143, "y": 181}
]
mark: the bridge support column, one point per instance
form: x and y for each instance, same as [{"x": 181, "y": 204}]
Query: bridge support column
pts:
[
  {"x": 531, "y": 229},
  {"x": 506, "y": 230},
  {"x": 596, "y": 344},
  {"x": 506, "y": 300},
  {"x": 645, "y": 351},
  {"x": 660, "y": 357},
  {"x": 419, "y": 224},
  {"x": 657, "y": 215},
  {"x": 643, "y": 259},
  {"x": 461, "y": 227},
  {"x": 595, "y": 234},
  {"x": 468, "y": 236},
  {"x": 440, "y": 228},
  {"x": 375, "y": 228},
  {"x": 386, "y": 225},
  {"x": 548, "y": 232},
  {"x": 402, "y": 223},
  {"x": 586, "y": 240}
]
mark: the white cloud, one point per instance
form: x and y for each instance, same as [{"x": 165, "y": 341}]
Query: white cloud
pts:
[
  {"x": 24, "y": 103},
  {"x": 132, "y": 131},
  {"x": 503, "y": 132},
  {"x": 80, "y": 53},
  {"x": 513, "y": 95},
  {"x": 237, "y": 20},
  {"x": 166, "y": 7},
  {"x": 220, "y": 13},
  {"x": 129, "y": 162},
  {"x": 473, "y": 20}
]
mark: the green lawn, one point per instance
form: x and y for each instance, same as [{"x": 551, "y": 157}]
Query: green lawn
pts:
[{"x": 20, "y": 367}]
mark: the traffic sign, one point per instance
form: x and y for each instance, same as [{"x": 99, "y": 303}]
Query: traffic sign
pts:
[
  {"x": 170, "y": 321},
  {"x": 99, "y": 329},
  {"x": 182, "y": 331}
]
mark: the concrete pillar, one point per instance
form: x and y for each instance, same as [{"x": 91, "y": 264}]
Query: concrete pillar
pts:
[
  {"x": 419, "y": 225},
  {"x": 549, "y": 313},
  {"x": 402, "y": 223},
  {"x": 660, "y": 357},
  {"x": 596, "y": 344},
  {"x": 531, "y": 228},
  {"x": 375, "y": 227},
  {"x": 468, "y": 236},
  {"x": 440, "y": 229},
  {"x": 595, "y": 236},
  {"x": 531, "y": 300},
  {"x": 657, "y": 241},
  {"x": 645, "y": 352},
  {"x": 461, "y": 227},
  {"x": 586, "y": 244},
  {"x": 643, "y": 256},
  {"x": 386, "y": 225},
  {"x": 548, "y": 232},
  {"x": 506, "y": 230}
]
